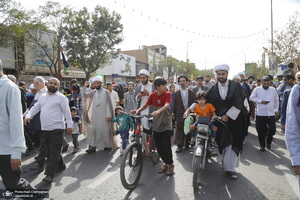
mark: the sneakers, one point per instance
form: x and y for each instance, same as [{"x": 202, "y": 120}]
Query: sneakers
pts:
[
  {"x": 232, "y": 175},
  {"x": 38, "y": 167},
  {"x": 178, "y": 150},
  {"x": 121, "y": 151}
]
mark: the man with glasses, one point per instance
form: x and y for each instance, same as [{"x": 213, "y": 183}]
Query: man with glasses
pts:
[{"x": 227, "y": 97}]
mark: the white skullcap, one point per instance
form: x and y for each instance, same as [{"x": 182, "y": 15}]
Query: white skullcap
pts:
[
  {"x": 145, "y": 72},
  {"x": 11, "y": 77},
  {"x": 242, "y": 73},
  {"x": 97, "y": 78},
  {"x": 223, "y": 67},
  {"x": 31, "y": 86},
  {"x": 236, "y": 77}
]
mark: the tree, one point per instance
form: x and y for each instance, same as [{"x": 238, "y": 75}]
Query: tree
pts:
[
  {"x": 91, "y": 37},
  {"x": 287, "y": 41},
  {"x": 257, "y": 71},
  {"x": 170, "y": 65},
  {"x": 45, "y": 42}
]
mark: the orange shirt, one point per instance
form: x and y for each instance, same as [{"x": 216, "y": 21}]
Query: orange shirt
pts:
[{"x": 206, "y": 112}]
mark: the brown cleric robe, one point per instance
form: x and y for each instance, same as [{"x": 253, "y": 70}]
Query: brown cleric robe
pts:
[
  {"x": 235, "y": 133},
  {"x": 178, "y": 110}
]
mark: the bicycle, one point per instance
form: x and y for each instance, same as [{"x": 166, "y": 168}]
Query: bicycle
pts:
[{"x": 132, "y": 159}]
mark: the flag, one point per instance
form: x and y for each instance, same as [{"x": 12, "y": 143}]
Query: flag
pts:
[
  {"x": 192, "y": 76},
  {"x": 66, "y": 64}
]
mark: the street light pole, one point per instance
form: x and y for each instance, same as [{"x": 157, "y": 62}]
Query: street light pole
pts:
[
  {"x": 271, "y": 26},
  {"x": 187, "y": 51}
]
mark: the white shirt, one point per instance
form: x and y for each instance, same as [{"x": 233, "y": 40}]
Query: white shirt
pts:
[
  {"x": 54, "y": 110},
  {"x": 40, "y": 92},
  {"x": 259, "y": 94},
  {"x": 114, "y": 98},
  {"x": 233, "y": 112}
]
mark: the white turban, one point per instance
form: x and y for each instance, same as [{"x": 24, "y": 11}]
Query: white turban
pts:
[
  {"x": 31, "y": 86},
  {"x": 12, "y": 78},
  {"x": 242, "y": 73},
  {"x": 97, "y": 78},
  {"x": 223, "y": 67},
  {"x": 236, "y": 77},
  {"x": 145, "y": 72}
]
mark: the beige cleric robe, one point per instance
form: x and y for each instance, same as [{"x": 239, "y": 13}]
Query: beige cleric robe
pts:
[{"x": 96, "y": 110}]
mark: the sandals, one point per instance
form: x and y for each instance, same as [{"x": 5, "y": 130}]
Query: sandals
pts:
[
  {"x": 170, "y": 170},
  {"x": 163, "y": 169}
]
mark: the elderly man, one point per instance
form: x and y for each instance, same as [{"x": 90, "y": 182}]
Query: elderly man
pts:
[
  {"x": 35, "y": 124},
  {"x": 227, "y": 97},
  {"x": 292, "y": 133},
  {"x": 12, "y": 143},
  {"x": 267, "y": 101},
  {"x": 99, "y": 113},
  {"x": 54, "y": 115}
]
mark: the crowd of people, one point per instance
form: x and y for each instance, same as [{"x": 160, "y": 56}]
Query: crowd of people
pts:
[{"x": 43, "y": 115}]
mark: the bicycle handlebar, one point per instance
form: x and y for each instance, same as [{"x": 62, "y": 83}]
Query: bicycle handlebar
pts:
[{"x": 141, "y": 116}]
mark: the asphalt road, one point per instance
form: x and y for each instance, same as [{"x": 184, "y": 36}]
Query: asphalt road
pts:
[{"x": 262, "y": 175}]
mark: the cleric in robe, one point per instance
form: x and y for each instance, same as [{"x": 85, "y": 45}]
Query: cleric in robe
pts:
[
  {"x": 98, "y": 112},
  {"x": 228, "y": 98}
]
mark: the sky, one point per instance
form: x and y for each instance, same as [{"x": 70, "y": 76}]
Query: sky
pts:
[{"x": 208, "y": 33}]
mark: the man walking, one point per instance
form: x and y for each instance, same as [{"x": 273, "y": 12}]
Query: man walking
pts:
[
  {"x": 292, "y": 133},
  {"x": 184, "y": 98},
  {"x": 54, "y": 111},
  {"x": 129, "y": 98},
  {"x": 99, "y": 113},
  {"x": 267, "y": 101},
  {"x": 200, "y": 86},
  {"x": 12, "y": 142},
  {"x": 228, "y": 98}
]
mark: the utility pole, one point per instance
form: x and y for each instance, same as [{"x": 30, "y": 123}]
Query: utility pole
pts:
[
  {"x": 272, "y": 26},
  {"x": 187, "y": 51}
]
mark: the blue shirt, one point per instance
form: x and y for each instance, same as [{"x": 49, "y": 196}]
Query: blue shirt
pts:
[{"x": 292, "y": 126}]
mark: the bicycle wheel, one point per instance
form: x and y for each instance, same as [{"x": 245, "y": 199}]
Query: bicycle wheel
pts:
[
  {"x": 131, "y": 166},
  {"x": 154, "y": 156},
  {"x": 198, "y": 161}
]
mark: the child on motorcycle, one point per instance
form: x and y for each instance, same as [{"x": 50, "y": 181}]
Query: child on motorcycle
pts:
[{"x": 203, "y": 109}]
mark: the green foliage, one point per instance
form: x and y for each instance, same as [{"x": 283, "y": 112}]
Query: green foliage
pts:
[
  {"x": 90, "y": 36},
  {"x": 257, "y": 71},
  {"x": 287, "y": 41}
]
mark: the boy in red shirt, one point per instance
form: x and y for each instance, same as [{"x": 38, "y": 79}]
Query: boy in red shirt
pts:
[{"x": 162, "y": 124}]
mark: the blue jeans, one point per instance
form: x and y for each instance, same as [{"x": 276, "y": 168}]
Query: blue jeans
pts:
[{"x": 124, "y": 135}]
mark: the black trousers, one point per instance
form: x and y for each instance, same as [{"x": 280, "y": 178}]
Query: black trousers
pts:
[
  {"x": 41, "y": 157},
  {"x": 54, "y": 141},
  {"x": 11, "y": 179},
  {"x": 163, "y": 144},
  {"x": 266, "y": 128}
]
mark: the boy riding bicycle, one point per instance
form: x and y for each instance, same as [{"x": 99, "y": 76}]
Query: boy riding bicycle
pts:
[{"x": 162, "y": 124}]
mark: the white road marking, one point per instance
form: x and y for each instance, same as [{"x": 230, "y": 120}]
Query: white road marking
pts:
[
  {"x": 229, "y": 195},
  {"x": 292, "y": 179}
]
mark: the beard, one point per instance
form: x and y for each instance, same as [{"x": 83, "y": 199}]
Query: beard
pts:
[
  {"x": 98, "y": 87},
  {"x": 222, "y": 80},
  {"x": 206, "y": 81},
  {"x": 52, "y": 89},
  {"x": 265, "y": 87}
]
